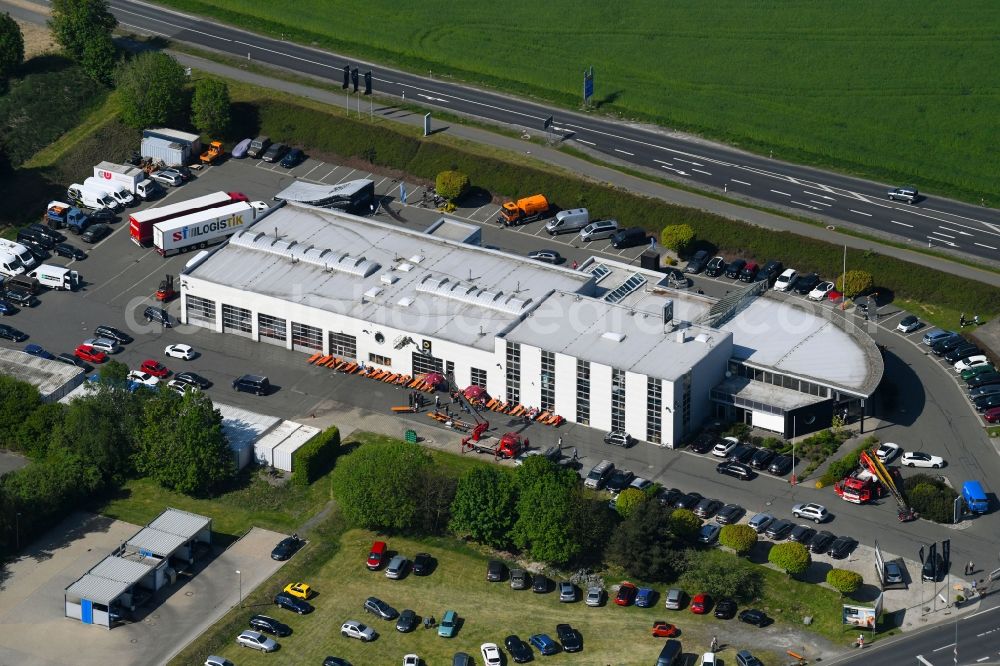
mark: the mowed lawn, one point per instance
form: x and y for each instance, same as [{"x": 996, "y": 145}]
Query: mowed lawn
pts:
[{"x": 903, "y": 91}]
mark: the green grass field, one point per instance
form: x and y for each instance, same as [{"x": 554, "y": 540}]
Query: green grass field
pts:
[{"x": 901, "y": 91}]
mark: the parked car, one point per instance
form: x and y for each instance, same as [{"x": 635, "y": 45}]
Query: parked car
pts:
[
  {"x": 842, "y": 547},
  {"x": 69, "y": 251},
  {"x": 729, "y": 514},
  {"x": 618, "y": 438},
  {"x": 143, "y": 378},
  {"x": 724, "y": 447},
  {"x": 275, "y": 152},
  {"x": 760, "y": 522},
  {"x": 785, "y": 281},
  {"x": 70, "y": 359},
  {"x": 735, "y": 469},
  {"x": 745, "y": 658},
  {"x": 702, "y": 445},
  {"x": 762, "y": 458},
  {"x": 544, "y": 644},
  {"x": 6, "y": 309},
  {"x": 256, "y": 641},
  {"x": 215, "y": 660},
  {"x": 802, "y": 534},
  {"x": 709, "y": 533},
  {"x": 520, "y": 652},
  {"x": 626, "y": 594},
  {"x": 256, "y": 384},
  {"x": 154, "y": 368},
  {"x": 934, "y": 569},
  {"x": 411, "y": 660},
  {"x": 519, "y": 579},
  {"x": 355, "y": 629},
  {"x": 376, "y": 556},
  {"x": 540, "y": 584},
  {"x": 379, "y": 608},
  {"x": 756, "y": 617},
  {"x": 595, "y": 597},
  {"x": 962, "y": 352},
  {"x": 674, "y": 599},
  {"x": 83, "y": 352},
  {"x": 293, "y": 158},
  {"x": 936, "y": 335},
  {"x": 971, "y": 362},
  {"x": 893, "y": 572},
  {"x": 645, "y": 597},
  {"x": 921, "y": 459},
  {"x": 696, "y": 263},
  {"x": 240, "y": 149},
  {"x": 984, "y": 377},
  {"x": 821, "y": 542},
  {"x": 806, "y": 283},
  {"x": 423, "y": 563},
  {"x": 495, "y": 570},
  {"x": 449, "y": 624},
  {"x": 619, "y": 481},
  {"x": 567, "y": 592},
  {"x": 749, "y": 272},
  {"x": 715, "y": 267},
  {"x": 193, "y": 379},
  {"x": 570, "y": 638},
  {"x": 286, "y": 547},
  {"x": 992, "y": 415},
  {"x": 734, "y": 268},
  {"x": 599, "y": 230},
  {"x": 887, "y": 451},
  {"x": 39, "y": 351},
  {"x": 299, "y": 590},
  {"x": 743, "y": 453},
  {"x": 668, "y": 496},
  {"x": 725, "y": 609},
  {"x": 821, "y": 291},
  {"x": 700, "y": 603},
  {"x": 988, "y": 389},
  {"x": 688, "y": 501},
  {"x": 815, "y": 512},
  {"x": 269, "y": 625},
  {"x": 546, "y": 255},
  {"x": 112, "y": 333},
  {"x": 781, "y": 465},
  {"x": 397, "y": 567},
  {"x": 180, "y": 351},
  {"x": 985, "y": 403},
  {"x": 707, "y": 507},
  {"x": 170, "y": 177},
  {"x": 158, "y": 315},
  {"x": 103, "y": 344},
  {"x": 908, "y": 324},
  {"x": 779, "y": 529}
]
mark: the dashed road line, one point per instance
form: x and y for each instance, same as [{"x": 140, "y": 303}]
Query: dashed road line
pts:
[
  {"x": 941, "y": 234},
  {"x": 741, "y": 182},
  {"x": 820, "y": 203},
  {"x": 988, "y": 247},
  {"x": 816, "y": 194},
  {"x": 804, "y": 205},
  {"x": 784, "y": 194},
  {"x": 955, "y": 231},
  {"x": 902, "y": 224},
  {"x": 860, "y": 212},
  {"x": 589, "y": 143},
  {"x": 624, "y": 152},
  {"x": 707, "y": 173}
]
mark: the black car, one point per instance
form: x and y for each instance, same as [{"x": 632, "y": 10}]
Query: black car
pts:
[
  {"x": 112, "y": 333},
  {"x": 933, "y": 569},
  {"x": 762, "y": 458},
  {"x": 287, "y": 547},
  {"x": 770, "y": 272},
  {"x": 696, "y": 264},
  {"x": 985, "y": 402},
  {"x": 806, "y": 283},
  {"x": 270, "y": 626},
  {"x": 779, "y": 529},
  {"x": 256, "y": 384},
  {"x": 95, "y": 233},
  {"x": 620, "y": 480},
  {"x": 942, "y": 347},
  {"x": 689, "y": 501},
  {"x": 669, "y": 496},
  {"x": 495, "y": 570},
  {"x": 47, "y": 232},
  {"x": 735, "y": 267},
  {"x": 376, "y": 606},
  {"x": 781, "y": 465},
  {"x": 293, "y": 158},
  {"x": 702, "y": 445},
  {"x": 185, "y": 173},
  {"x": 6, "y": 309},
  {"x": 715, "y": 267},
  {"x": 422, "y": 564},
  {"x": 407, "y": 621},
  {"x": 821, "y": 542},
  {"x": 69, "y": 251},
  {"x": 961, "y": 352},
  {"x": 70, "y": 359},
  {"x": 841, "y": 547},
  {"x": 288, "y": 602},
  {"x": 38, "y": 253},
  {"x": 275, "y": 152},
  {"x": 707, "y": 507},
  {"x": 193, "y": 379},
  {"x": 729, "y": 514},
  {"x": 21, "y": 298},
  {"x": 540, "y": 584},
  {"x": 735, "y": 469},
  {"x": 518, "y": 649},
  {"x": 743, "y": 453},
  {"x": 986, "y": 389},
  {"x": 570, "y": 638},
  {"x": 725, "y": 609},
  {"x": 12, "y": 333},
  {"x": 336, "y": 661},
  {"x": 104, "y": 215},
  {"x": 756, "y": 617},
  {"x": 802, "y": 534},
  {"x": 983, "y": 379}
]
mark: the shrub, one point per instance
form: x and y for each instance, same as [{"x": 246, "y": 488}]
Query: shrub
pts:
[
  {"x": 377, "y": 484},
  {"x": 843, "y": 466},
  {"x": 740, "y": 538},
  {"x": 792, "y": 557},
  {"x": 722, "y": 574},
  {"x": 856, "y": 281},
  {"x": 930, "y": 497},
  {"x": 451, "y": 184},
  {"x": 677, "y": 237},
  {"x": 684, "y": 523},
  {"x": 627, "y": 500},
  {"x": 845, "y": 582},
  {"x": 316, "y": 457},
  {"x": 151, "y": 90}
]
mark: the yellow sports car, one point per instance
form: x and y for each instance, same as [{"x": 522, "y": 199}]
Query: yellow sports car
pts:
[{"x": 300, "y": 590}]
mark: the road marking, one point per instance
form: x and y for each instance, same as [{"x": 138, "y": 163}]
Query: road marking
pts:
[
  {"x": 955, "y": 231},
  {"x": 331, "y": 171},
  {"x": 174, "y": 25},
  {"x": 988, "y": 247},
  {"x": 880, "y": 205},
  {"x": 313, "y": 169},
  {"x": 804, "y": 204},
  {"x": 982, "y": 659},
  {"x": 431, "y": 99},
  {"x": 786, "y": 194},
  {"x": 662, "y": 162},
  {"x": 940, "y": 240},
  {"x": 941, "y": 234},
  {"x": 741, "y": 182},
  {"x": 589, "y": 143},
  {"x": 821, "y": 196},
  {"x": 820, "y": 203},
  {"x": 689, "y": 162},
  {"x": 663, "y": 166},
  {"x": 347, "y": 176},
  {"x": 700, "y": 171},
  {"x": 943, "y": 647},
  {"x": 902, "y": 224},
  {"x": 624, "y": 152},
  {"x": 859, "y": 212},
  {"x": 923, "y": 661}
]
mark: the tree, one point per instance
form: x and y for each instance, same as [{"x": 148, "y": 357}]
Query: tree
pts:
[
  {"x": 677, "y": 237},
  {"x": 11, "y": 46},
  {"x": 74, "y": 23},
  {"x": 792, "y": 557},
  {"x": 627, "y": 500},
  {"x": 722, "y": 574},
  {"x": 845, "y": 582},
  {"x": 684, "y": 523},
  {"x": 376, "y": 484},
  {"x": 17, "y": 398},
  {"x": 435, "y": 492},
  {"x": 547, "y": 497},
  {"x": 593, "y": 523},
  {"x": 451, "y": 184},
  {"x": 151, "y": 87},
  {"x": 181, "y": 445},
  {"x": 210, "y": 107},
  {"x": 856, "y": 281},
  {"x": 740, "y": 538},
  {"x": 930, "y": 497},
  {"x": 644, "y": 544},
  {"x": 485, "y": 506},
  {"x": 100, "y": 57},
  {"x": 113, "y": 373}
]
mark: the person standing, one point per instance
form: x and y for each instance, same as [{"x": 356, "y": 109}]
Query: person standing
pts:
[{"x": 715, "y": 644}]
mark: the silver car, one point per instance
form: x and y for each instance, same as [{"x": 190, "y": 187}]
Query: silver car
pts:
[
  {"x": 106, "y": 345},
  {"x": 257, "y": 641},
  {"x": 595, "y": 596},
  {"x": 760, "y": 522},
  {"x": 599, "y": 230},
  {"x": 567, "y": 591},
  {"x": 397, "y": 567},
  {"x": 167, "y": 177}
]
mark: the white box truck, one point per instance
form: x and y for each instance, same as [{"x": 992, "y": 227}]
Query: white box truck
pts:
[
  {"x": 120, "y": 194},
  {"x": 87, "y": 197},
  {"x": 198, "y": 230},
  {"x": 56, "y": 277},
  {"x": 131, "y": 178}
]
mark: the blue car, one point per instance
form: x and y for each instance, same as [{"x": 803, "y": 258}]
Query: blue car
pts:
[
  {"x": 36, "y": 350},
  {"x": 6, "y": 308},
  {"x": 292, "y": 158},
  {"x": 645, "y": 597},
  {"x": 544, "y": 644}
]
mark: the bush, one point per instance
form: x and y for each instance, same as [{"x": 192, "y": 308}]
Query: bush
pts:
[
  {"x": 792, "y": 557},
  {"x": 316, "y": 457},
  {"x": 151, "y": 90},
  {"x": 930, "y": 497},
  {"x": 627, "y": 500},
  {"x": 377, "y": 484},
  {"x": 684, "y": 523},
  {"x": 677, "y": 237},
  {"x": 845, "y": 582},
  {"x": 451, "y": 184},
  {"x": 722, "y": 574},
  {"x": 846, "y": 464},
  {"x": 856, "y": 281},
  {"x": 820, "y": 446},
  {"x": 740, "y": 538}
]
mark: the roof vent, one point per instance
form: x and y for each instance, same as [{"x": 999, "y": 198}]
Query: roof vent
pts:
[
  {"x": 373, "y": 292},
  {"x": 417, "y": 258},
  {"x": 704, "y": 338},
  {"x": 388, "y": 278},
  {"x": 614, "y": 337},
  {"x": 405, "y": 302},
  {"x": 404, "y": 267},
  {"x": 680, "y": 335}
]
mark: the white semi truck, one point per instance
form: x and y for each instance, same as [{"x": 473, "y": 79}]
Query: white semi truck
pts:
[{"x": 201, "y": 229}]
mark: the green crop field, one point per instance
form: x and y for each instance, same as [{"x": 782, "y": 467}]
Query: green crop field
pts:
[{"x": 899, "y": 91}]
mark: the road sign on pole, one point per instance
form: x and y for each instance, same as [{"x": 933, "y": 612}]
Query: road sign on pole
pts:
[
  {"x": 588, "y": 85},
  {"x": 427, "y": 124}
]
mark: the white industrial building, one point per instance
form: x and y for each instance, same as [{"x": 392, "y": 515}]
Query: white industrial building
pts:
[
  {"x": 53, "y": 379},
  {"x": 266, "y": 440},
  {"x": 608, "y": 345}
]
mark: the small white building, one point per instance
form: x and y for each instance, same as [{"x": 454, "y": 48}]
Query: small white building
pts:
[{"x": 53, "y": 379}]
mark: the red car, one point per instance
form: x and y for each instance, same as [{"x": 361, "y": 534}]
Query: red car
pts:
[
  {"x": 834, "y": 296},
  {"x": 377, "y": 555},
  {"x": 992, "y": 415},
  {"x": 154, "y": 368},
  {"x": 699, "y": 605},
  {"x": 626, "y": 594},
  {"x": 89, "y": 354},
  {"x": 664, "y": 630},
  {"x": 238, "y": 196}
]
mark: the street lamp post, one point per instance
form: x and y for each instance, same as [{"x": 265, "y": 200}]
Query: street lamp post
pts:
[
  {"x": 17, "y": 530},
  {"x": 240, "y": 574}
]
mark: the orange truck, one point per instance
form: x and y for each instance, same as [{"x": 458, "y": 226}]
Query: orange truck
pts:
[
  {"x": 213, "y": 153},
  {"x": 523, "y": 210}
]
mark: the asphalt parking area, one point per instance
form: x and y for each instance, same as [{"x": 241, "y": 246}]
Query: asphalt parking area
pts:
[{"x": 36, "y": 632}]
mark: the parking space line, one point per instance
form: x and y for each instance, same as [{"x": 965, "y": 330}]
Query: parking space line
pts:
[
  {"x": 313, "y": 169},
  {"x": 345, "y": 177},
  {"x": 329, "y": 174}
]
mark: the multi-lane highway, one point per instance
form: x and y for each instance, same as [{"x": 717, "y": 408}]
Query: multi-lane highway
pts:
[{"x": 941, "y": 223}]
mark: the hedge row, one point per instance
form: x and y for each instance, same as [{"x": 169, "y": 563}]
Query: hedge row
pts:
[
  {"x": 383, "y": 146},
  {"x": 316, "y": 457}
]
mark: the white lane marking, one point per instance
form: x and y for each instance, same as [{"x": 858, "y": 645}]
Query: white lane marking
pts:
[
  {"x": 859, "y": 212},
  {"x": 988, "y": 247},
  {"x": 982, "y": 659},
  {"x": 145, "y": 30},
  {"x": 431, "y": 99},
  {"x": 589, "y": 143},
  {"x": 662, "y": 162},
  {"x": 941, "y": 234},
  {"x": 943, "y": 647},
  {"x": 707, "y": 173},
  {"x": 348, "y": 175},
  {"x": 558, "y": 129},
  {"x": 923, "y": 661},
  {"x": 313, "y": 169},
  {"x": 902, "y": 224},
  {"x": 820, "y": 203},
  {"x": 663, "y": 166},
  {"x": 173, "y": 25},
  {"x": 689, "y": 162},
  {"x": 786, "y": 194},
  {"x": 821, "y": 196},
  {"x": 804, "y": 204},
  {"x": 944, "y": 212},
  {"x": 913, "y": 212},
  {"x": 624, "y": 152},
  {"x": 955, "y": 231},
  {"x": 741, "y": 182},
  {"x": 880, "y": 205},
  {"x": 940, "y": 240}
]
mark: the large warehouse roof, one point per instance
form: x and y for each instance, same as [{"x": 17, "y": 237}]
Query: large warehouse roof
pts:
[
  {"x": 49, "y": 377},
  {"x": 383, "y": 274}
]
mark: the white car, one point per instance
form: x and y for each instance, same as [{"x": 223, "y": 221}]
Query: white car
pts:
[
  {"x": 820, "y": 292},
  {"x": 257, "y": 641},
  {"x": 920, "y": 459},
  {"x": 785, "y": 280},
  {"x": 141, "y": 377},
  {"x": 908, "y": 324},
  {"x": 814, "y": 512},
  {"x": 214, "y": 660},
  {"x": 180, "y": 351},
  {"x": 491, "y": 654},
  {"x": 708, "y": 659},
  {"x": 411, "y": 660},
  {"x": 179, "y": 387},
  {"x": 971, "y": 362},
  {"x": 595, "y": 596},
  {"x": 725, "y": 447},
  {"x": 887, "y": 451},
  {"x": 355, "y": 629}
]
